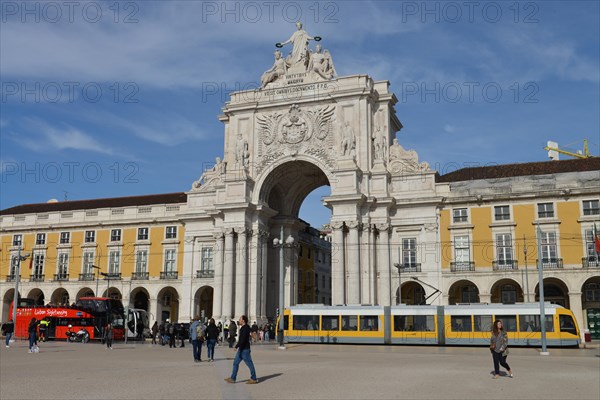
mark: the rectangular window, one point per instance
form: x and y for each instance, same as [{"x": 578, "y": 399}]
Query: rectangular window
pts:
[
  {"x": 171, "y": 232},
  {"x": 38, "y": 264},
  {"x": 502, "y": 213},
  {"x": 114, "y": 262},
  {"x": 459, "y": 215},
  {"x": 548, "y": 246},
  {"x": 349, "y": 323},
  {"x": 369, "y": 323},
  {"x": 40, "y": 238},
  {"x": 207, "y": 259},
  {"x": 414, "y": 323},
  {"x": 141, "y": 260},
  {"x": 142, "y": 234},
  {"x": 409, "y": 252},
  {"x": 462, "y": 252},
  {"x": 88, "y": 261},
  {"x": 545, "y": 210},
  {"x": 17, "y": 240},
  {"x": 460, "y": 323},
  {"x": 65, "y": 237},
  {"x": 483, "y": 323},
  {"x": 115, "y": 235},
  {"x": 90, "y": 236},
  {"x": 567, "y": 324},
  {"x": 306, "y": 322},
  {"x": 170, "y": 260},
  {"x": 63, "y": 264},
  {"x": 531, "y": 323},
  {"x": 504, "y": 249},
  {"x": 14, "y": 262},
  {"x": 590, "y": 245},
  {"x": 331, "y": 322},
  {"x": 591, "y": 207}
]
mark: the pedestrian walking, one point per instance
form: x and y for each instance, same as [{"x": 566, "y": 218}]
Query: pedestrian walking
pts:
[
  {"x": 254, "y": 332},
  {"x": 243, "y": 353},
  {"x": 196, "y": 335},
  {"x": 212, "y": 335},
  {"x": 7, "y": 329},
  {"x": 499, "y": 349},
  {"x": 108, "y": 335},
  {"x": 232, "y": 333},
  {"x": 32, "y": 331},
  {"x": 154, "y": 332}
]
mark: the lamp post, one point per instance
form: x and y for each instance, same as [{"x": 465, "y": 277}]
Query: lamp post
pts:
[
  {"x": 107, "y": 277},
  {"x": 17, "y": 279},
  {"x": 540, "y": 266},
  {"x": 399, "y": 266},
  {"x": 279, "y": 242},
  {"x": 96, "y": 278}
]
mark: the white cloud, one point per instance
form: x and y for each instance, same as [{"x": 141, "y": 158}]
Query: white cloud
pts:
[{"x": 449, "y": 128}]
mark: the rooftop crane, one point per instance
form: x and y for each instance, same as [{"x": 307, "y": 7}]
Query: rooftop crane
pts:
[{"x": 554, "y": 150}]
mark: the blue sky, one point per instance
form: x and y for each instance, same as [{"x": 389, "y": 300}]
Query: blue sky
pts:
[{"x": 108, "y": 99}]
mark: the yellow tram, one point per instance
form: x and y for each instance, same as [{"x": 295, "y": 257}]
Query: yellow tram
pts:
[{"x": 436, "y": 325}]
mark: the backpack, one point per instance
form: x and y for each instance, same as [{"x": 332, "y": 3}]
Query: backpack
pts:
[{"x": 199, "y": 332}]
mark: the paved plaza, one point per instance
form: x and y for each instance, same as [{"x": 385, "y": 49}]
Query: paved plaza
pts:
[{"x": 142, "y": 371}]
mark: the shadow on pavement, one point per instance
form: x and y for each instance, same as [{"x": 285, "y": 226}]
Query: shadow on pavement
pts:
[{"x": 267, "y": 377}]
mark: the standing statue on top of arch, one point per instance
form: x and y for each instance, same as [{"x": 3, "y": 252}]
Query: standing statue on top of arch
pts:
[{"x": 299, "y": 40}]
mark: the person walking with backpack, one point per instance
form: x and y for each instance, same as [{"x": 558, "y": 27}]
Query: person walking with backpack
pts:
[{"x": 196, "y": 335}]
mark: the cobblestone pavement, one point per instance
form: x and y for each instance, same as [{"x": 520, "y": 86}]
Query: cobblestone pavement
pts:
[{"x": 142, "y": 371}]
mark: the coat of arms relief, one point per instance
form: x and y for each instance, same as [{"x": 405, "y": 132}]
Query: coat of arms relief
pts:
[{"x": 294, "y": 132}]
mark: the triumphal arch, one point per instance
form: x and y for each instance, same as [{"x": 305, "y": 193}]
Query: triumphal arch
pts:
[{"x": 306, "y": 127}]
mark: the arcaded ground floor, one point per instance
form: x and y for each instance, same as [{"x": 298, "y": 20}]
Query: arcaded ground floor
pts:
[{"x": 142, "y": 371}]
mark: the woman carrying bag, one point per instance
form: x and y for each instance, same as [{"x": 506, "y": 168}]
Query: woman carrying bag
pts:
[{"x": 499, "y": 349}]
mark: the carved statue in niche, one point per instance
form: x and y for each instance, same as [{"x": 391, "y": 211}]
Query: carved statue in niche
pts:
[
  {"x": 276, "y": 72},
  {"x": 379, "y": 137},
  {"x": 348, "y": 144},
  {"x": 242, "y": 154}
]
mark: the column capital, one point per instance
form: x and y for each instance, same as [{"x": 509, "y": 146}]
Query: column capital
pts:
[
  {"x": 354, "y": 225},
  {"x": 229, "y": 232},
  {"x": 383, "y": 227},
  {"x": 262, "y": 234},
  {"x": 242, "y": 230},
  {"x": 218, "y": 235},
  {"x": 337, "y": 225}
]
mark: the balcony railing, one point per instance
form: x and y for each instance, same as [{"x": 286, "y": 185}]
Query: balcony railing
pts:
[
  {"x": 36, "y": 278},
  {"x": 551, "y": 263},
  {"x": 11, "y": 278},
  {"x": 140, "y": 276},
  {"x": 205, "y": 274},
  {"x": 112, "y": 276},
  {"x": 504, "y": 265},
  {"x": 61, "y": 277},
  {"x": 460, "y": 266},
  {"x": 410, "y": 268},
  {"x": 168, "y": 275},
  {"x": 87, "y": 277},
  {"x": 590, "y": 262}
]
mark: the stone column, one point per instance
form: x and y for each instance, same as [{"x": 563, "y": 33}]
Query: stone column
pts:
[
  {"x": 384, "y": 289},
  {"x": 367, "y": 244},
  {"x": 338, "y": 275},
  {"x": 241, "y": 273},
  {"x": 228, "y": 271},
  {"x": 218, "y": 280},
  {"x": 577, "y": 307},
  {"x": 153, "y": 304},
  {"x": 257, "y": 276},
  {"x": 483, "y": 298},
  {"x": 353, "y": 295},
  {"x": 186, "y": 301},
  {"x": 264, "y": 282}
]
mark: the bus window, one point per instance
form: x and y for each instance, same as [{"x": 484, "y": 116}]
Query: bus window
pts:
[
  {"x": 483, "y": 323},
  {"x": 509, "y": 322},
  {"x": 531, "y": 323},
  {"x": 369, "y": 323},
  {"x": 349, "y": 323},
  {"x": 331, "y": 323},
  {"x": 461, "y": 323},
  {"x": 421, "y": 323},
  {"x": 567, "y": 324},
  {"x": 306, "y": 322}
]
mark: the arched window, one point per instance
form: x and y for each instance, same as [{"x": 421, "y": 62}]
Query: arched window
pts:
[
  {"x": 469, "y": 294},
  {"x": 508, "y": 294}
]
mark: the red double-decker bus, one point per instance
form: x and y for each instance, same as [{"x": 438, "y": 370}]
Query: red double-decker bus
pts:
[{"x": 89, "y": 313}]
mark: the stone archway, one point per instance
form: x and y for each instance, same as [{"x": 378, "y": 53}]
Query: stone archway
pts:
[
  {"x": 555, "y": 291},
  {"x": 6, "y": 300},
  {"x": 463, "y": 291},
  {"x": 140, "y": 298},
  {"x": 412, "y": 294},
  {"x": 506, "y": 291},
  {"x": 113, "y": 293},
  {"x": 84, "y": 292},
  {"x": 60, "y": 297},
  {"x": 37, "y": 295},
  {"x": 168, "y": 305},
  {"x": 590, "y": 300},
  {"x": 203, "y": 302}
]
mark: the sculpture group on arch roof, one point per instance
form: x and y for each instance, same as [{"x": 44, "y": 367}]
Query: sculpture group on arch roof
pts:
[{"x": 301, "y": 59}]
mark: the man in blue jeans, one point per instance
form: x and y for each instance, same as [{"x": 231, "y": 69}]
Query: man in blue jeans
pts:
[
  {"x": 196, "y": 336},
  {"x": 243, "y": 353}
]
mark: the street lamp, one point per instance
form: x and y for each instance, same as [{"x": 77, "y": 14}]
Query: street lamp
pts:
[
  {"x": 279, "y": 242},
  {"x": 96, "y": 278},
  {"x": 17, "y": 279},
  {"x": 399, "y": 266}
]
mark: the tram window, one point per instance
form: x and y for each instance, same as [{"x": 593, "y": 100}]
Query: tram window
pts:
[
  {"x": 369, "y": 323},
  {"x": 509, "y": 322},
  {"x": 349, "y": 323},
  {"x": 483, "y": 323},
  {"x": 567, "y": 324},
  {"x": 531, "y": 323},
  {"x": 421, "y": 323},
  {"x": 306, "y": 322},
  {"x": 461, "y": 323},
  {"x": 331, "y": 323}
]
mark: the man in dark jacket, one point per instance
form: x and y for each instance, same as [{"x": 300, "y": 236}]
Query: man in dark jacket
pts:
[
  {"x": 8, "y": 328},
  {"x": 243, "y": 353},
  {"x": 212, "y": 335}
]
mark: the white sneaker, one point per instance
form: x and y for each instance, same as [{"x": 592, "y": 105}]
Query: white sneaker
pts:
[
  {"x": 30, "y": 351},
  {"x": 7, "y": 346}
]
